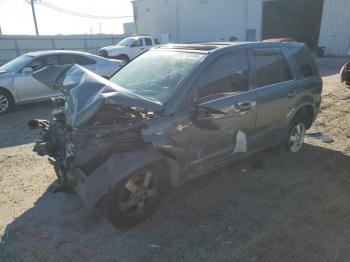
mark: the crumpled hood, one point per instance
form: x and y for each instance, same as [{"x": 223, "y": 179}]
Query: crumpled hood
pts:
[{"x": 85, "y": 92}]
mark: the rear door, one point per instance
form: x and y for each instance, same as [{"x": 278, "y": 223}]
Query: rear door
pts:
[
  {"x": 148, "y": 43},
  {"x": 276, "y": 91},
  {"x": 28, "y": 88}
]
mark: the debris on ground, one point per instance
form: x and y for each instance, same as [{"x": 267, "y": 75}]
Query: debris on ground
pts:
[{"x": 320, "y": 136}]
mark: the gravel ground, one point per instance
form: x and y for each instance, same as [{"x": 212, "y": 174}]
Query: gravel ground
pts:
[{"x": 266, "y": 208}]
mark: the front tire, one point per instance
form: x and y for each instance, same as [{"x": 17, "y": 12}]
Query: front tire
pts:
[
  {"x": 124, "y": 58},
  {"x": 6, "y": 102},
  {"x": 135, "y": 198}
]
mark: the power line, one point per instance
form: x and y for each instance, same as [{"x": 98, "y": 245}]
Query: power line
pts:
[{"x": 69, "y": 12}]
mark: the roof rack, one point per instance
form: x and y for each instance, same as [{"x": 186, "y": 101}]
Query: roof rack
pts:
[{"x": 201, "y": 47}]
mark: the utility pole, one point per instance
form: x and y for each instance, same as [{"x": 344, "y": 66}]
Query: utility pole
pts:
[
  {"x": 100, "y": 28},
  {"x": 34, "y": 18}
]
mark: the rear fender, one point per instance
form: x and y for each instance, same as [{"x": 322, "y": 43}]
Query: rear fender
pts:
[{"x": 302, "y": 103}]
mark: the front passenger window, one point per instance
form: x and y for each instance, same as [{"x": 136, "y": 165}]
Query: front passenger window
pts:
[
  {"x": 43, "y": 61},
  {"x": 137, "y": 43},
  {"x": 227, "y": 75}
]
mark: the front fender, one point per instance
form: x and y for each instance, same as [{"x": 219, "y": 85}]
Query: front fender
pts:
[
  {"x": 116, "y": 52},
  {"x": 119, "y": 166}
]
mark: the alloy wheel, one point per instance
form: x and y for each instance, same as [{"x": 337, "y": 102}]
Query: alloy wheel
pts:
[
  {"x": 297, "y": 137},
  {"x": 4, "y": 103},
  {"x": 138, "y": 194}
]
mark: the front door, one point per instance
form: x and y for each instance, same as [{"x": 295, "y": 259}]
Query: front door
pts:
[
  {"x": 137, "y": 48},
  {"x": 223, "y": 122},
  {"x": 30, "y": 89}
]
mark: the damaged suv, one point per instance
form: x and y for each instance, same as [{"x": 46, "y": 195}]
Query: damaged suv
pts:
[{"x": 174, "y": 113}]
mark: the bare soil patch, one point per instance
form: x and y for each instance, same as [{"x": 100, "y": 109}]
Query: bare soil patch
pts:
[{"x": 265, "y": 208}]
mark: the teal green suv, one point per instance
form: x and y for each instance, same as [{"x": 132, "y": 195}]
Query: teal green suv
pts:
[{"x": 172, "y": 114}]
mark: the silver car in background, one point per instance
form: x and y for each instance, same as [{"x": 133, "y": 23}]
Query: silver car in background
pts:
[{"x": 17, "y": 85}]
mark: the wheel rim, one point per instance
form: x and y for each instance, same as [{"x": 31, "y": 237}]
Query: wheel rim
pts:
[
  {"x": 297, "y": 137},
  {"x": 4, "y": 103},
  {"x": 138, "y": 194}
]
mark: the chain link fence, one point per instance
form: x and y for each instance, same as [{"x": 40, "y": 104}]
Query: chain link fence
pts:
[{"x": 14, "y": 46}]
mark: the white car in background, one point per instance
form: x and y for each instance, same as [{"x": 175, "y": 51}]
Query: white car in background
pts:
[
  {"x": 128, "y": 48},
  {"x": 18, "y": 86}
]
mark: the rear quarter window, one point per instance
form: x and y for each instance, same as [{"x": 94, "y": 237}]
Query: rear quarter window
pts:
[
  {"x": 304, "y": 61},
  {"x": 75, "y": 59}
]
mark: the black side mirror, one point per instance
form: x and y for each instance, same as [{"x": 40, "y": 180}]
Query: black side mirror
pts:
[{"x": 204, "y": 119}]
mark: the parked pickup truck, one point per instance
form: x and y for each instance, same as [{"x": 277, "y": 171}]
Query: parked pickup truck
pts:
[{"x": 128, "y": 48}]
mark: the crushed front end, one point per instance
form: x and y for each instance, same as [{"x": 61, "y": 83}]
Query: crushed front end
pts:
[
  {"x": 90, "y": 122},
  {"x": 85, "y": 148}
]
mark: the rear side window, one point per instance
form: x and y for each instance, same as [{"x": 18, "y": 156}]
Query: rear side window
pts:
[
  {"x": 271, "y": 67},
  {"x": 83, "y": 60},
  {"x": 304, "y": 61},
  {"x": 148, "y": 41},
  {"x": 228, "y": 74},
  {"x": 75, "y": 59}
]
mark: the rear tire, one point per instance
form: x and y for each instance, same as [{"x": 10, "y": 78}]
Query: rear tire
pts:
[
  {"x": 135, "y": 198},
  {"x": 6, "y": 102},
  {"x": 295, "y": 137}
]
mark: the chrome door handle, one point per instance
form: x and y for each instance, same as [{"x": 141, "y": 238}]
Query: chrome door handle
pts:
[
  {"x": 245, "y": 106},
  {"x": 292, "y": 94}
]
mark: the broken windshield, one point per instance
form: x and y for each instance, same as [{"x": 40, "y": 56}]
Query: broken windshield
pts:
[{"x": 156, "y": 74}]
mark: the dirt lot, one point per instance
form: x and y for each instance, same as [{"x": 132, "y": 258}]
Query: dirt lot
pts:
[{"x": 266, "y": 208}]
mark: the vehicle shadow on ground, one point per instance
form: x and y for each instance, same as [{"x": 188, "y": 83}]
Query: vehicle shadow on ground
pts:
[
  {"x": 14, "y": 128},
  {"x": 270, "y": 207}
]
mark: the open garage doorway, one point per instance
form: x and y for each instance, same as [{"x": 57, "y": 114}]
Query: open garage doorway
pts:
[{"x": 296, "y": 19}]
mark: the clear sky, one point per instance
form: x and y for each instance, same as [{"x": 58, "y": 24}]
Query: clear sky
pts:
[{"x": 16, "y": 17}]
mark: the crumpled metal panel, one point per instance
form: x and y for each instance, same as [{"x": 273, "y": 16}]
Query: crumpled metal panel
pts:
[{"x": 86, "y": 92}]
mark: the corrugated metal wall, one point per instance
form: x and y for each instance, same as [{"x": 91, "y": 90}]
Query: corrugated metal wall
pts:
[
  {"x": 190, "y": 21},
  {"x": 13, "y": 46},
  {"x": 213, "y": 20},
  {"x": 222, "y": 18},
  {"x": 335, "y": 27}
]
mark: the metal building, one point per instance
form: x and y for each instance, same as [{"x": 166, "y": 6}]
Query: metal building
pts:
[{"x": 324, "y": 23}]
